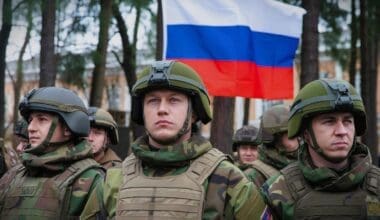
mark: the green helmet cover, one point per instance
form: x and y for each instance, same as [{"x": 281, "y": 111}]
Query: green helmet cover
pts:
[
  {"x": 322, "y": 96},
  {"x": 274, "y": 121},
  {"x": 247, "y": 134},
  {"x": 60, "y": 101},
  {"x": 101, "y": 118},
  {"x": 171, "y": 75}
]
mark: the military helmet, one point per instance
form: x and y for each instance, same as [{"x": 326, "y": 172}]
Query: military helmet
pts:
[
  {"x": 61, "y": 101},
  {"x": 21, "y": 129},
  {"x": 172, "y": 75},
  {"x": 246, "y": 135},
  {"x": 102, "y": 118},
  {"x": 274, "y": 121},
  {"x": 322, "y": 96}
]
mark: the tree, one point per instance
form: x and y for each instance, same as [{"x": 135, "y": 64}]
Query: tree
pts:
[
  {"x": 5, "y": 31},
  {"x": 354, "y": 40},
  {"x": 47, "y": 54},
  {"x": 100, "y": 55},
  {"x": 128, "y": 62},
  {"x": 19, "y": 80},
  {"x": 309, "y": 48},
  {"x": 222, "y": 124},
  {"x": 368, "y": 69}
]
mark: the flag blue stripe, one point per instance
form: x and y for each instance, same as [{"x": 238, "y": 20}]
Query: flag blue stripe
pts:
[{"x": 230, "y": 43}]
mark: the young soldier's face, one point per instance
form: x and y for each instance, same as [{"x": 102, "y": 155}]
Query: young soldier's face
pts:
[
  {"x": 97, "y": 138},
  {"x": 39, "y": 126},
  {"x": 334, "y": 133},
  {"x": 247, "y": 153},
  {"x": 165, "y": 112}
]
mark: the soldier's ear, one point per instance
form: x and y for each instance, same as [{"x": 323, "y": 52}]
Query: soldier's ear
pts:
[{"x": 66, "y": 131}]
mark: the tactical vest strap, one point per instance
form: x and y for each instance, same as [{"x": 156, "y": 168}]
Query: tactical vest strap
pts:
[
  {"x": 295, "y": 181},
  {"x": 266, "y": 169},
  {"x": 373, "y": 180},
  {"x": 65, "y": 180},
  {"x": 202, "y": 168}
]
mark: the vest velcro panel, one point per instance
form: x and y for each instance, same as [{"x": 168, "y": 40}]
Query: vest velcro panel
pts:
[{"x": 166, "y": 197}]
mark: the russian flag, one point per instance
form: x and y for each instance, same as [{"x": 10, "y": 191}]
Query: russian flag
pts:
[{"x": 239, "y": 47}]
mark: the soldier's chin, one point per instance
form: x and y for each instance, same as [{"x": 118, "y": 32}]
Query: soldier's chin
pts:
[
  {"x": 337, "y": 159},
  {"x": 165, "y": 140}
]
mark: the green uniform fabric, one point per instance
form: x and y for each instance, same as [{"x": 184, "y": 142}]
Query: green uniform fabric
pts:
[
  {"x": 110, "y": 159},
  {"x": 326, "y": 183},
  {"x": 271, "y": 156},
  {"x": 41, "y": 170},
  {"x": 229, "y": 195}
]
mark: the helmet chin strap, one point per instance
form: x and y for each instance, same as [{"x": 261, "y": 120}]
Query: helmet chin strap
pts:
[
  {"x": 319, "y": 151},
  {"x": 184, "y": 130}
]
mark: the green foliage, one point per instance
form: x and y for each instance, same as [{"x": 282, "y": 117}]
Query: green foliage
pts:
[{"x": 71, "y": 69}]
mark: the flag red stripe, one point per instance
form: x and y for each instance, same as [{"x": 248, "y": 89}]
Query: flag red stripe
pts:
[{"x": 246, "y": 79}]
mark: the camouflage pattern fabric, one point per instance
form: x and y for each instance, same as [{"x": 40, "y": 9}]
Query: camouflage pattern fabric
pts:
[
  {"x": 110, "y": 159},
  {"x": 272, "y": 156},
  {"x": 49, "y": 165},
  {"x": 229, "y": 195},
  {"x": 279, "y": 198}
]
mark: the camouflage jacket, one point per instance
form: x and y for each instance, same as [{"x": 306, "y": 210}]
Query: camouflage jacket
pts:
[
  {"x": 229, "y": 195},
  {"x": 110, "y": 159},
  {"x": 272, "y": 157},
  {"x": 42, "y": 173},
  {"x": 285, "y": 201}
]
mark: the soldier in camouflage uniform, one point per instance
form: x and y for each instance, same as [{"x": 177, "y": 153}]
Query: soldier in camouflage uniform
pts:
[
  {"x": 102, "y": 133},
  {"x": 245, "y": 143},
  {"x": 277, "y": 150},
  {"x": 57, "y": 173},
  {"x": 334, "y": 177},
  {"x": 172, "y": 174},
  {"x": 20, "y": 132}
]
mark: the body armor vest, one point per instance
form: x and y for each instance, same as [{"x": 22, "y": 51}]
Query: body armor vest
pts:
[
  {"x": 326, "y": 205},
  {"x": 265, "y": 169},
  {"x": 40, "y": 197},
  {"x": 167, "y": 197}
]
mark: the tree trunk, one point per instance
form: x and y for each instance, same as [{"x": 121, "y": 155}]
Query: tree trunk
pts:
[
  {"x": 246, "y": 111},
  {"x": 222, "y": 124},
  {"x": 128, "y": 63},
  {"x": 159, "y": 30},
  {"x": 309, "y": 48},
  {"x": 354, "y": 39},
  {"x": 4, "y": 36},
  {"x": 47, "y": 56},
  {"x": 100, "y": 55},
  {"x": 368, "y": 50},
  {"x": 19, "y": 81}
]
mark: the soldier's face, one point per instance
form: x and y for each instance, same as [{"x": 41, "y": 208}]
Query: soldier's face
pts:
[
  {"x": 97, "y": 138},
  {"x": 247, "y": 153},
  {"x": 334, "y": 133},
  {"x": 165, "y": 112},
  {"x": 39, "y": 126}
]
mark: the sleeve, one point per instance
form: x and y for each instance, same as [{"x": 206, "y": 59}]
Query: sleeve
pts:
[
  {"x": 102, "y": 201},
  {"x": 240, "y": 198}
]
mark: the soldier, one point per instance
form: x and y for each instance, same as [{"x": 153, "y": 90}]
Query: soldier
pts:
[
  {"x": 20, "y": 131},
  {"x": 334, "y": 177},
  {"x": 102, "y": 133},
  {"x": 172, "y": 174},
  {"x": 277, "y": 150},
  {"x": 57, "y": 173},
  {"x": 245, "y": 143}
]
